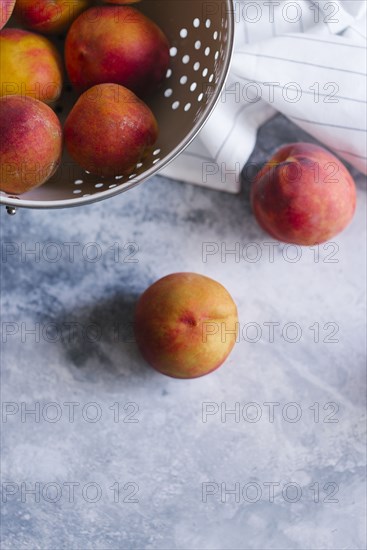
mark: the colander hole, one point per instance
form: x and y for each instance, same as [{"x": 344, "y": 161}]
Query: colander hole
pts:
[
  {"x": 196, "y": 66},
  {"x": 211, "y": 78},
  {"x": 187, "y": 107},
  {"x": 208, "y": 23},
  {"x": 196, "y": 23},
  {"x": 77, "y": 191},
  {"x": 78, "y": 182},
  {"x": 98, "y": 185},
  {"x": 86, "y": 195},
  {"x": 207, "y": 51},
  {"x": 168, "y": 92},
  {"x": 186, "y": 59},
  {"x": 156, "y": 152},
  {"x": 86, "y": 171},
  {"x": 156, "y": 160},
  {"x": 183, "y": 79},
  {"x": 216, "y": 55},
  {"x": 173, "y": 51},
  {"x": 139, "y": 165},
  {"x": 183, "y": 33},
  {"x": 112, "y": 186},
  {"x": 132, "y": 176},
  {"x": 215, "y": 35},
  {"x": 118, "y": 177},
  {"x": 193, "y": 86},
  {"x": 175, "y": 105},
  {"x": 205, "y": 72},
  {"x": 169, "y": 73},
  {"x": 200, "y": 97},
  {"x": 197, "y": 45}
]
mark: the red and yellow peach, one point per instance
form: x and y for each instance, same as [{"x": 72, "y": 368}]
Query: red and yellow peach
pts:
[
  {"x": 304, "y": 195},
  {"x": 30, "y": 145},
  {"x": 116, "y": 44},
  {"x": 186, "y": 325},
  {"x": 48, "y": 16},
  {"x": 30, "y": 66},
  {"x": 109, "y": 130}
]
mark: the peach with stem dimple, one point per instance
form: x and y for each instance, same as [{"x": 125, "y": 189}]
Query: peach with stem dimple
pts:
[{"x": 186, "y": 325}]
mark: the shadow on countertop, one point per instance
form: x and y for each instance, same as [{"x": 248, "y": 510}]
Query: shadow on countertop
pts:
[{"x": 98, "y": 339}]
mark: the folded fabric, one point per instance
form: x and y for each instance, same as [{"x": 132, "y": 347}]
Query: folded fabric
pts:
[{"x": 303, "y": 58}]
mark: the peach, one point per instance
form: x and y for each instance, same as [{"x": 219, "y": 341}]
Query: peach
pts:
[
  {"x": 304, "y": 195},
  {"x": 30, "y": 145},
  {"x": 109, "y": 130},
  {"x": 30, "y": 65},
  {"x": 186, "y": 325},
  {"x": 48, "y": 16},
  {"x": 6, "y": 9},
  {"x": 116, "y": 44}
]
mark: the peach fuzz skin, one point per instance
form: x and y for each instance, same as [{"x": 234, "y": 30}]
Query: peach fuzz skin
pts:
[
  {"x": 180, "y": 324},
  {"x": 109, "y": 130},
  {"x": 116, "y": 44},
  {"x": 304, "y": 195},
  {"x": 30, "y": 145},
  {"x": 48, "y": 16},
  {"x": 30, "y": 66},
  {"x": 6, "y": 9}
]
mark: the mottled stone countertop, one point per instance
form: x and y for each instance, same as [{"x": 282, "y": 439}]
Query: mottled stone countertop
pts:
[{"x": 121, "y": 457}]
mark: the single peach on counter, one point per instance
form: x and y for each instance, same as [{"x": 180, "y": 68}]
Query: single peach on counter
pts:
[
  {"x": 30, "y": 145},
  {"x": 116, "y": 44},
  {"x": 29, "y": 66},
  {"x": 48, "y": 16},
  {"x": 109, "y": 130},
  {"x": 304, "y": 195},
  {"x": 6, "y": 9},
  {"x": 186, "y": 325}
]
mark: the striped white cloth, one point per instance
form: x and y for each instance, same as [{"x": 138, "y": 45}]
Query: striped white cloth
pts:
[{"x": 303, "y": 58}]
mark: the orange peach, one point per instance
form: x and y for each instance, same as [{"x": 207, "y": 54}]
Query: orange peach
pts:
[
  {"x": 30, "y": 145},
  {"x": 186, "y": 325},
  {"x": 6, "y": 9},
  {"x": 109, "y": 130},
  {"x": 304, "y": 195},
  {"x": 30, "y": 66},
  {"x": 116, "y": 44},
  {"x": 48, "y": 16}
]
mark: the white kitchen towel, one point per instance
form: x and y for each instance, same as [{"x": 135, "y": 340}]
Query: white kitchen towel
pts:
[{"x": 303, "y": 58}]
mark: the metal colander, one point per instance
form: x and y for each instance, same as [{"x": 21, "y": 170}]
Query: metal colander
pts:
[{"x": 201, "y": 37}]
